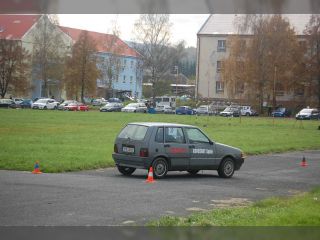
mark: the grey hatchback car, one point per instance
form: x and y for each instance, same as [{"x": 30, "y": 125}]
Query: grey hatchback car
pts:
[{"x": 172, "y": 147}]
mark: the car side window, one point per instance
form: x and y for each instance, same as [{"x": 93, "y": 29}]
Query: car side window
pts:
[
  {"x": 174, "y": 135},
  {"x": 160, "y": 135},
  {"x": 196, "y": 136}
]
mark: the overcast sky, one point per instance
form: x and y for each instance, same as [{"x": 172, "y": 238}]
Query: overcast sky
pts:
[{"x": 184, "y": 26}]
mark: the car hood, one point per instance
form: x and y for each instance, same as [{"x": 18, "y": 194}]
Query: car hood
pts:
[
  {"x": 222, "y": 148},
  {"x": 40, "y": 104}
]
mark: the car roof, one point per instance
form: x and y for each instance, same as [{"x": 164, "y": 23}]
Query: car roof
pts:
[{"x": 157, "y": 124}]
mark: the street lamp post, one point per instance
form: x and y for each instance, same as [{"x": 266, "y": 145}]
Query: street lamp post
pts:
[{"x": 176, "y": 68}]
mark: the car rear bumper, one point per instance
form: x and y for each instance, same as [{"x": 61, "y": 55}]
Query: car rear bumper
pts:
[{"x": 131, "y": 161}]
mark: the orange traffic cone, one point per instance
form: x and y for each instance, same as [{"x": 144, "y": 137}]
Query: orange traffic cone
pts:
[
  {"x": 150, "y": 176},
  {"x": 303, "y": 162},
  {"x": 36, "y": 168}
]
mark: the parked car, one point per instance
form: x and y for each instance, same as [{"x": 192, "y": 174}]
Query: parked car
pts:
[
  {"x": 26, "y": 103},
  {"x": 135, "y": 107},
  {"x": 45, "y": 103},
  {"x": 112, "y": 107},
  {"x": 204, "y": 110},
  {"x": 307, "y": 114},
  {"x": 172, "y": 147},
  {"x": 281, "y": 112},
  {"x": 17, "y": 101},
  {"x": 65, "y": 103},
  {"x": 230, "y": 112},
  {"x": 76, "y": 107},
  {"x": 99, "y": 102},
  {"x": 163, "y": 109},
  {"x": 7, "y": 103},
  {"x": 185, "y": 110},
  {"x": 248, "y": 111},
  {"x": 168, "y": 110},
  {"x": 114, "y": 100}
]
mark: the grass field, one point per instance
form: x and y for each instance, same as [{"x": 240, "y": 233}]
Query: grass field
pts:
[
  {"x": 70, "y": 141},
  {"x": 301, "y": 210}
]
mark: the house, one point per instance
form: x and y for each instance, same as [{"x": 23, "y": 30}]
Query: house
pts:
[
  {"x": 24, "y": 28},
  {"x": 126, "y": 64},
  {"x": 126, "y": 81},
  {"x": 212, "y": 48}
]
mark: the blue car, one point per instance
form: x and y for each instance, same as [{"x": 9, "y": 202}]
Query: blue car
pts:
[
  {"x": 26, "y": 103},
  {"x": 185, "y": 110},
  {"x": 281, "y": 112}
]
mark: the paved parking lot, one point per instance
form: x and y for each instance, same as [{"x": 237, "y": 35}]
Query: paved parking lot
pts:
[{"x": 104, "y": 197}]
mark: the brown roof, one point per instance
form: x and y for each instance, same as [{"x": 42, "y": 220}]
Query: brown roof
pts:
[
  {"x": 105, "y": 42},
  {"x": 15, "y": 26}
]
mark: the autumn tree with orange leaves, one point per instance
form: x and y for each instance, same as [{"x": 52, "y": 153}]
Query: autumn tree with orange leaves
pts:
[{"x": 81, "y": 72}]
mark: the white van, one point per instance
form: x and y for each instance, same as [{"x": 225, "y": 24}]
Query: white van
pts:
[{"x": 166, "y": 101}]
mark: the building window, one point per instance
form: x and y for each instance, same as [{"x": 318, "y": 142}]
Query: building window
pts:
[
  {"x": 124, "y": 79},
  {"x": 116, "y": 78},
  {"x": 219, "y": 66},
  {"x": 221, "y": 46},
  {"x": 239, "y": 87},
  {"x": 131, "y": 78},
  {"x": 131, "y": 64},
  {"x": 279, "y": 89},
  {"x": 219, "y": 87}
]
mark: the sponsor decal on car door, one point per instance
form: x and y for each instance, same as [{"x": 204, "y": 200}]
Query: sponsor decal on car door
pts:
[
  {"x": 202, "y": 150},
  {"x": 176, "y": 148}
]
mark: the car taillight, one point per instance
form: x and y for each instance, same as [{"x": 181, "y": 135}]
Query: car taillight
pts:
[
  {"x": 144, "y": 152},
  {"x": 115, "y": 148}
]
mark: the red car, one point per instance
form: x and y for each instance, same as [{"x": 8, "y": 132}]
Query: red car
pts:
[{"x": 77, "y": 107}]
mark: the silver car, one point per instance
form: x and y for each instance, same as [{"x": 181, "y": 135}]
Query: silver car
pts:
[{"x": 172, "y": 147}]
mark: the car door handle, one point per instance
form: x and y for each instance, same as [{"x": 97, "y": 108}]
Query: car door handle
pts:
[
  {"x": 167, "y": 145},
  {"x": 191, "y": 146}
]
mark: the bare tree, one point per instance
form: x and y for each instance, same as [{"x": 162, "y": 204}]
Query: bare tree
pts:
[
  {"x": 14, "y": 67},
  {"x": 81, "y": 70},
  {"x": 49, "y": 51},
  {"x": 313, "y": 63},
  {"x": 112, "y": 64},
  {"x": 153, "y": 32}
]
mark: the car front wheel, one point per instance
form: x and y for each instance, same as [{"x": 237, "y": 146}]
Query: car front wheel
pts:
[
  {"x": 160, "y": 168},
  {"x": 127, "y": 171},
  {"x": 226, "y": 168}
]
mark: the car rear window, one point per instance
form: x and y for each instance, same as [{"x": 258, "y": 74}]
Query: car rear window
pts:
[{"x": 134, "y": 132}]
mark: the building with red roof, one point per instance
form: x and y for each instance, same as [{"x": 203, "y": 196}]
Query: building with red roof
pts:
[{"x": 126, "y": 81}]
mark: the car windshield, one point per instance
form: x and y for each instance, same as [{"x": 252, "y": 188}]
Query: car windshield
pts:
[
  {"x": 42, "y": 101},
  {"x": 228, "y": 109},
  {"x": 306, "y": 111},
  {"x": 134, "y": 132},
  {"x": 133, "y": 105}
]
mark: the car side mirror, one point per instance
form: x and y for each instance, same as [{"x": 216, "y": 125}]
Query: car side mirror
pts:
[{"x": 210, "y": 142}]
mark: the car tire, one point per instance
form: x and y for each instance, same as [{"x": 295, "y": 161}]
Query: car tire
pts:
[
  {"x": 247, "y": 114},
  {"x": 193, "y": 172},
  {"x": 226, "y": 168},
  {"x": 127, "y": 171},
  {"x": 160, "y": 168},
  {"x": 45, "y": 107}
]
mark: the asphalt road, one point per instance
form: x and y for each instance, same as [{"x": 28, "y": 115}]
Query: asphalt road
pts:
[{"x": 104, "y": 197}]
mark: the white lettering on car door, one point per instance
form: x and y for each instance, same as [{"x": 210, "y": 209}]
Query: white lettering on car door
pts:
[{"x": 202, "y": 151}]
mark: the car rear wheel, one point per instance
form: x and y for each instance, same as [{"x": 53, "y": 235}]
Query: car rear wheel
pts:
[
  {"x": 127, "y": 171},
  {"x": 193, "y": 172},
  {"x": 160, "y": 168},
  {"x": 226, "y": 168}
]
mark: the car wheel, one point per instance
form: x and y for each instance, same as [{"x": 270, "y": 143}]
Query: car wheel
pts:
[
  {"x": 247, "y": 114},
  {"x": 193, "y": 172},
  {"x": 226, "y": 168},
  {"x": 127, "y": 171},
  {"x": 45, "y": 108},
  {"x": 160, "y": 167}
]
